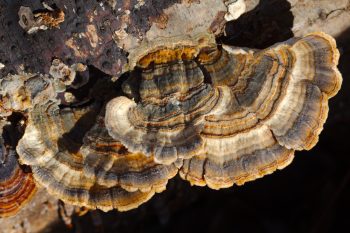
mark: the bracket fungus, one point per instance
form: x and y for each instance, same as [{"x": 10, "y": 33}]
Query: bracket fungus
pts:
[
  {"x": 73, "y": 157},
  {"x": 17, "y": 186},
  {"x": 231, "y": 115},
  {"x": 218, "y": 115}
]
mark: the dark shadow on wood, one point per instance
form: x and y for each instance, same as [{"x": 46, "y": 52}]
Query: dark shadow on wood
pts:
[
  {"x": 73, "y": 140},
  {"x": 268, "y": 23},
  {"x": 96, "y": 94}
]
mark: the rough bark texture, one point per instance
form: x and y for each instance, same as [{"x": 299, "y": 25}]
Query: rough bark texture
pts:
[
  {"x": 36, "y": 51},
  {"x": 309, "y": 196},
  {"x": 95, "y": 33}
]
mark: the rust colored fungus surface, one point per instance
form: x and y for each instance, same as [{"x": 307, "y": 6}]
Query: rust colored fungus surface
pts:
[{"x": 16, "y": 185}]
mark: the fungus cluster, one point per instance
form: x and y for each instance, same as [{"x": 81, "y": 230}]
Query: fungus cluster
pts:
[
  {"x": 229, "y": 115},
  {"x": 217, "y": 115}
]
